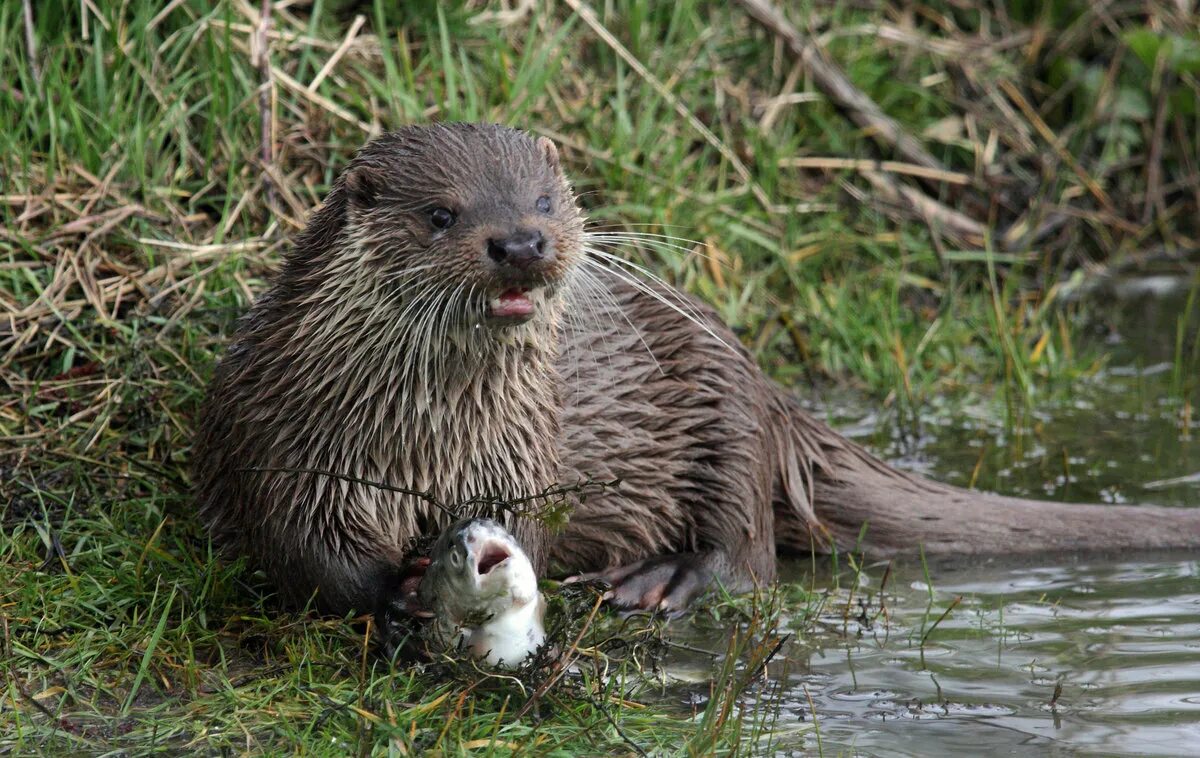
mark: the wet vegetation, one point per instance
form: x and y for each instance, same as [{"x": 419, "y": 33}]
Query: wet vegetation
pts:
[{"x": 155, "y": 158}]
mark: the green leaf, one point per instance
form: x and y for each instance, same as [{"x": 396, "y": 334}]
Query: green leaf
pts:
[
  {"x": 1145, "y": 44},
  {"x": 1183, "y": 101},
  {"x": 1131, "y": 104},
  {"x": 1184, "y": 55}
]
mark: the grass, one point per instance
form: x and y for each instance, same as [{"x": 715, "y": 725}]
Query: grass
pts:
[{"x": 139, "y": 220}]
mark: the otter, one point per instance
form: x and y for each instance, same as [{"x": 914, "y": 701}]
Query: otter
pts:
[{"x": 442, "y": 326}]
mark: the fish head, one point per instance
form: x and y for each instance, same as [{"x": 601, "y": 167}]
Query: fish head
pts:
[{"x": 477, "y": 567}]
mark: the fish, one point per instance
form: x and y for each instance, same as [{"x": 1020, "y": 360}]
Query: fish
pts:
[{"x": 481, "y": 594}]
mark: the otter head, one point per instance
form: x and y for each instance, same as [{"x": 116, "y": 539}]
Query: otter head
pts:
[{"x": 473, "y": 223}]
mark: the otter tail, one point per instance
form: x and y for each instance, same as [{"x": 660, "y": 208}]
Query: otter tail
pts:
[{"x": 830, "y": 488}]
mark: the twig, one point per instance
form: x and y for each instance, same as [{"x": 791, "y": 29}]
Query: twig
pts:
[
  {"x": 161, "y": 15},
  {"x": 942, "y": 217},
  {"x": 891, "y": 167},
  {"x": 1022, "y": 232},
  {"x": 861, "y": 109},
  {"x": 812, "y": 709},
  {"x": 320, "y": 101},
  {"x": 455, "y": 510},
  {"x": 887, "y": 573},
  {"x": 564, "y": 661},
  {"x": 1047, "y": 134},
  {"x": 420, "y": 494},
  {"x": 1172, "y": 482},
  {"x": 617, "y": 727},
  {"x": 359, "y": 20},
  {"x": 762, "y": 665},
  {"x": 263, "y": 63},
  {"x": 31, "y": 46},
  {"x": 774, "y": 106},
  {"x": 506, "y": 17}
]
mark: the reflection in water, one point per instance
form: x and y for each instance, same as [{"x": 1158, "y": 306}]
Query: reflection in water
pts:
[
  {"x": 1122, "y": 640},
  {"x": 1089, "y": 657}
]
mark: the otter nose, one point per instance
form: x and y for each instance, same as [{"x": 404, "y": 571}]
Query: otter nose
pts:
[{"x": 518, "y": 250}]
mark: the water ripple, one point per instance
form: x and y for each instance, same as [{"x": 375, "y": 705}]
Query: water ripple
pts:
[{"x": 1122, "y": 655}]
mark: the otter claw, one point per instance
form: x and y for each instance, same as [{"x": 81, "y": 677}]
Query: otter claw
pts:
[
  {"x": 400, "y": 612},
  {"x": 665, "y": 584}
]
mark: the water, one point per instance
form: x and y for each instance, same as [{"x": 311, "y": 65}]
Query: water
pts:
[
  {"x": 1119, "y": 641},
  {"x": 1093, "y": 657},
  {"x": 1117, "y": 638}
]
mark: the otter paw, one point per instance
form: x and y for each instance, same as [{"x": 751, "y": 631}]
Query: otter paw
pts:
[
  {"x": 666, "y": 584},
  {"x": 399, "y": 615}
]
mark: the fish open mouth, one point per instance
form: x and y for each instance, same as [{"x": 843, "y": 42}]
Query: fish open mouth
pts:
[
  {"x": 491, "y": 557},
  {"x": 513, "y": 306}
]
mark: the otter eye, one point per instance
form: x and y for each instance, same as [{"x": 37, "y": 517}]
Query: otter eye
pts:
[
  {"x": 543, "y": 203},
  {"x": 442, "y": 218},
  {"x": 455, "y": 558}
]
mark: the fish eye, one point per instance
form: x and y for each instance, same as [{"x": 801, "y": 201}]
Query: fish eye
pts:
[
  {"x": 543, "y": 203},
  {"x": 442, "y": 218}
]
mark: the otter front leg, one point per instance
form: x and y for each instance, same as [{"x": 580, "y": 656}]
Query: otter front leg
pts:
[
  {"x": 399, "y": 612},
  {"x": 667, "y": 583}
]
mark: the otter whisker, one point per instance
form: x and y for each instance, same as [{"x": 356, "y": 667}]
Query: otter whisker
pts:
[
  {"x": 584, "y": 285},
  {"x": 663, "y": 243},
  {"x": 404, "y": 324},
  {"x": 634, "y": 239},
  {"x": 679, "y": 255},
  {"x": 642, "y": 271},
  {"x": 398, "y": 294},
  {"x": 645, "y": 236},
  {"x": 679, "y": 305},
  {"x": 622, "y": 225},
  {"x": 666, "y": 247},
  {"x": 600, "y": 291},
  {"x": 601, "y": 248},
  {"x": 475, "y": 313},
  {"x": 689, "y": 314}
]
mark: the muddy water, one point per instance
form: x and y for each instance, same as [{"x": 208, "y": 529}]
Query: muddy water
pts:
[{"x": 1055, "y": 655}]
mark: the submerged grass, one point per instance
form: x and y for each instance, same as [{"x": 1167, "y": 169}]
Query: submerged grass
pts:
[{"x": 141, "y": 216}]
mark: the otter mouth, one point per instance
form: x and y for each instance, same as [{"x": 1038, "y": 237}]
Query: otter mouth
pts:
[
  {"x": 514, "y": 305},
  {"x": 491, "y": 557}
]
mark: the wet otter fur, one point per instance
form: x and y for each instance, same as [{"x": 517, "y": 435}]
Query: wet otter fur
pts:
[{"x": 441, "y": 325}]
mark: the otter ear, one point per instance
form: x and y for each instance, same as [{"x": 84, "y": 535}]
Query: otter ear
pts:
[
  {"x": 363, "y": 185},
  {"x": 549, "y": 151}
]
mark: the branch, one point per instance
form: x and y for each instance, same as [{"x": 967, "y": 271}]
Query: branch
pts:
[
  {"x": 861, "y": 109},
  {"x": 940, "y": 217}
]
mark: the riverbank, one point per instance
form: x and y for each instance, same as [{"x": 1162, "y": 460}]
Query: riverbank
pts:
[{"x": 143, "y": 210}]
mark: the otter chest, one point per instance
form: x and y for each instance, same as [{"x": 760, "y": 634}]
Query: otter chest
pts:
[{"x": 463, "y": 435}]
